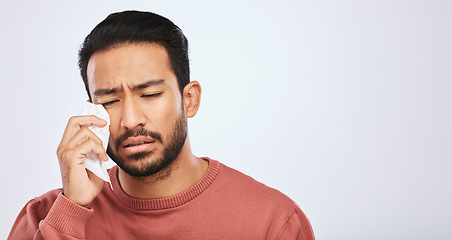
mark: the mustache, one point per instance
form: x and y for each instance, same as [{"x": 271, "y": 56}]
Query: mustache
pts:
[{"x": 135, "y": 133}]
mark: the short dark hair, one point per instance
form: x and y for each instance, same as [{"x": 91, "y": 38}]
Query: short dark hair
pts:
[{"x": 135, "y": 27}]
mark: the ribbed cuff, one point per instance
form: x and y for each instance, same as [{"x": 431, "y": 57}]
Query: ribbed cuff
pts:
[{"x": 68, "y": 217}]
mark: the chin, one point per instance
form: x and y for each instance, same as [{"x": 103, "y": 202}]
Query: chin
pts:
[{"x": 145, "y": 166}]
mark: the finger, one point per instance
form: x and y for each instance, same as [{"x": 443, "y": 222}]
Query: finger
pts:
[
  {"x": 81, "y": 136},
  {"x": 76, "y": 123},
  {"x": 90, "y": 146},
  {"x": 77, "y": 154},
  {"x": 91, "y": 120}
]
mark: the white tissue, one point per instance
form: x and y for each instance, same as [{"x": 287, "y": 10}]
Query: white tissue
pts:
[{"x": 92, "y": 161}]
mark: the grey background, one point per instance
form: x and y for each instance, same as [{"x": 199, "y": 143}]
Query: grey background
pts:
[{"x": 344, "y": 106}]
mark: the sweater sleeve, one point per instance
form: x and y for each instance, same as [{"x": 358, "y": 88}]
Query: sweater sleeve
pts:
[
  {"x": 61, "y": 220},
  {"x": 297, "y": 227}
]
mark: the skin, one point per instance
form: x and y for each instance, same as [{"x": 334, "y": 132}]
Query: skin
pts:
[{"x": 156, "y": 107}]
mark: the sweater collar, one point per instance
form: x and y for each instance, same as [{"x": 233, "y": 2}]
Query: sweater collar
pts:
[{"x": 167, "y": 202}]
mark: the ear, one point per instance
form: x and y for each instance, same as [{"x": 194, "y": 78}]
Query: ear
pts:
[{"x": 192, "y": 98}]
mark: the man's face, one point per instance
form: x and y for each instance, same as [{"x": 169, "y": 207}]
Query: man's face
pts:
[{"x": 139, "y": 90}]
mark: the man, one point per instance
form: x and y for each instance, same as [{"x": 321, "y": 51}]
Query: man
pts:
[{"x": 136, "y": 65}]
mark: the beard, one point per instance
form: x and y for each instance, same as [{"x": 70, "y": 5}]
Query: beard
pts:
[{"x": 145, "y": 165}]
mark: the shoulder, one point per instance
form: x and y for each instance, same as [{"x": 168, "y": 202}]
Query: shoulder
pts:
[
  {"x": 253, "y": 188},
  {"x": 43, "y": 203},
  {"x": 251, "y": 194},
  {"x": 268, "y": 208},
  {"x": 33, "y": 212}
]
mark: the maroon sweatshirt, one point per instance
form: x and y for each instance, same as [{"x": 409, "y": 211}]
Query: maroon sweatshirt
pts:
[{"x": 224, "y": 204}]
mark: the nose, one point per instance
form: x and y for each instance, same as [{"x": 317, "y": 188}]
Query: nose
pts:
[{"x": 132, "y": 116}]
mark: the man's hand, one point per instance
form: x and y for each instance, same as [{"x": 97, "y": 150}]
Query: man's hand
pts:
[{"x": 80, "y": 185}]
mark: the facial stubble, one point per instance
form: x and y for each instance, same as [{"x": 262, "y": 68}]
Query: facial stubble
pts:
[{"x": 148, "y": 166}]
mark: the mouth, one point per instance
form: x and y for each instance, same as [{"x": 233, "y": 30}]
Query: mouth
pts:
[{"x": 138, "y": 144}]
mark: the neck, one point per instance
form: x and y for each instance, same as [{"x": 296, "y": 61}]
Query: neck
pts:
[{"x": 183, "y": 173}]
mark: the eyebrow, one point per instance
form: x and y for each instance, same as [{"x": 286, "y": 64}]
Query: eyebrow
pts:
[{"x": 107, "y": 91}]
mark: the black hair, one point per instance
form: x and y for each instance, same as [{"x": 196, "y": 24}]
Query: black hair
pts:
[{"x": 135, "y": 27}]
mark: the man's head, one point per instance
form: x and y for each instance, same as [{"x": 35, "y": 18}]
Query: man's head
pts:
[
  {"x": 136, "y": 65},
  {"x": 132, "y": 27}
]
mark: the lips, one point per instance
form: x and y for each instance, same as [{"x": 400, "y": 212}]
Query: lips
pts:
[{"x": 138, "y": 144}]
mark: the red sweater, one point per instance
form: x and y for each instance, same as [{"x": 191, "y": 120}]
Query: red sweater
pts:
[{"x": 224, "y": 204}]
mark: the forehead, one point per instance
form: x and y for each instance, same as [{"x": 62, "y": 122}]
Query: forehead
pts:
[{"x": 128, "y": 64}]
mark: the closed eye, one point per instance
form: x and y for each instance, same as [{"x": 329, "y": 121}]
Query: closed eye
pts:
[
  {"x": 151, "y": 95},
  {"x": 106, "y": 104}
]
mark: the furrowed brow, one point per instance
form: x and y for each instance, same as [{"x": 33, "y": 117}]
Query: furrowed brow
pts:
[
  {"x": 106, "y": 91},
  {"x": 149, "y": 84}
]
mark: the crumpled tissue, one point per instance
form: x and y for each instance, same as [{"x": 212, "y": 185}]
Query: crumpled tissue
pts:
[{"x": 92, "y": 161}]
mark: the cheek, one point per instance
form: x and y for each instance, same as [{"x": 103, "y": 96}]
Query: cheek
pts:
[
  {"x": 159, "y": 117},
  {"x": 164, "y": 114},
  {"x": 113, "y": 135},
  {"x": 114, "y": 126}
]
